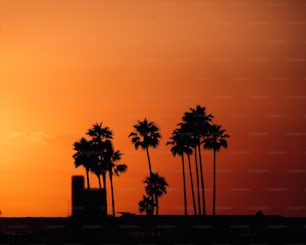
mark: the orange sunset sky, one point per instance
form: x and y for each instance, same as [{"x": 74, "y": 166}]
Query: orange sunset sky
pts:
[{"x": 66, "y": 64}]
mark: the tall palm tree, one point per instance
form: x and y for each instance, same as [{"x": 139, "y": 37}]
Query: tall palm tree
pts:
[
  {"x": 146, "y": 134},
  {"x": 191, "y": 142},
  {"x": 99, "y": 135},
  {"x": 83, "y": 156},
  {"x": 183, "y": 139},
  {"x": 178, "y": 148},
  {"x": 215, "y": 141},
  {"x": 191, "y": 181},
  {"x": 114, "y": 169},
  {"x": 156, "y": 186},
  {"x": 197, "y": 123}
]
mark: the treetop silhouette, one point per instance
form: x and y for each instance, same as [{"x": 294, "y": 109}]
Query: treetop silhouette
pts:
[{"x": 146, "y": 134}]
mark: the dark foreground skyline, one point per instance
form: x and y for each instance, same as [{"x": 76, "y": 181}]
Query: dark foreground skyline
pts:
[{"x": 132, "y": 229}]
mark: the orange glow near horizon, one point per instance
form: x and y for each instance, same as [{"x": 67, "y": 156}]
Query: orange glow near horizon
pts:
[{"x": 65, "y": 65}]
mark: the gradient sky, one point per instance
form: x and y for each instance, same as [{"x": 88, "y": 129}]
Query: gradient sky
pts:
[{"x": 65, "y": 65}]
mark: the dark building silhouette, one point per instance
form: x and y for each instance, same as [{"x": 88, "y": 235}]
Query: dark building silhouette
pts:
[{"x": 87, "y": 203}]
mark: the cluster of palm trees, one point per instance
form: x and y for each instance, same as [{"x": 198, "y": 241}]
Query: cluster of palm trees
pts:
[
  {"x": 196, "y": 130},
  {"x": 97, "y": 155},
  {"x": 146, "y": 134}
]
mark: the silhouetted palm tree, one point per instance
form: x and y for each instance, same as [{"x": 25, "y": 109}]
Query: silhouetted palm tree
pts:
[
  {"x": 191, "y": 142},
  {"x": 98, "y": 155},
  {"x": 146, "y": 204},
  {"x": 114, "y": 169},
  {"x": 196, "y": 122},
  {"x": 156, "y": 186},
  {"x": 183, "y": 146},
  {"x": 215, "y": 141},
  {"x": 99, "y": 135},
  {"x": 191, "y": 181},
  {"x": 145, "y": 135},
  {"x": 96, "y": 168},
  {"x": 178, "y": 148},
  {"x": 83, "y": 156},
  {"x": 99, "y": 132}
]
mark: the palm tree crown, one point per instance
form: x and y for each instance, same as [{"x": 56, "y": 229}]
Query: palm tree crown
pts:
[
  {"x": 81, "y": 157},
  {"x": 146, "y": 134},
  {"x": 84, "y": 157},
  {"x": 146, "y": 204},
  {"x": 216, "y": 138},
  {"x": 196, "y": 121},
  {"x": 97, "y": 131},
  {"x": 156, "y": 186},
  {"x": 179, "y": 140}
]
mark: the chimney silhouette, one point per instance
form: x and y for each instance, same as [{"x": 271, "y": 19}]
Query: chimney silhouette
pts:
[{"x": 87, "y": 203}]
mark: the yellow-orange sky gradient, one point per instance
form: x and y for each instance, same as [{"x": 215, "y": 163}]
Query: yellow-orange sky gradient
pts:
[{"x": 65, "y": 65}]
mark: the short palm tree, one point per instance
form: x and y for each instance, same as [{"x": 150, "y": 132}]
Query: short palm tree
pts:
[
  {"x": 215, "y": 141},
  {"x": 147, "y": 205},
  {"x": 156, "y": 186},
  {"x": 83, "y": 156},
  {"x": 146, "y": 134}
]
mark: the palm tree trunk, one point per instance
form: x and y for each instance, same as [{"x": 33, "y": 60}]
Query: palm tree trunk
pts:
[
  {"x": 104, "y": 180},
  {"x": 192, "y": 187},
  {"x": 197, "y": 175},
  {"x": 104, "y": 186},
  {"x": 214, "y": 191},
  {"x": 112, "y": 192},
  {"x": 99, "y": 180},
  {"x": 184, "y": 186},
  {"x": 150, "y": 169},
  {"x": 202, "y": 181},
  {"x": 149, "y": 161},
  {"x": 87, "y": 177}
]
